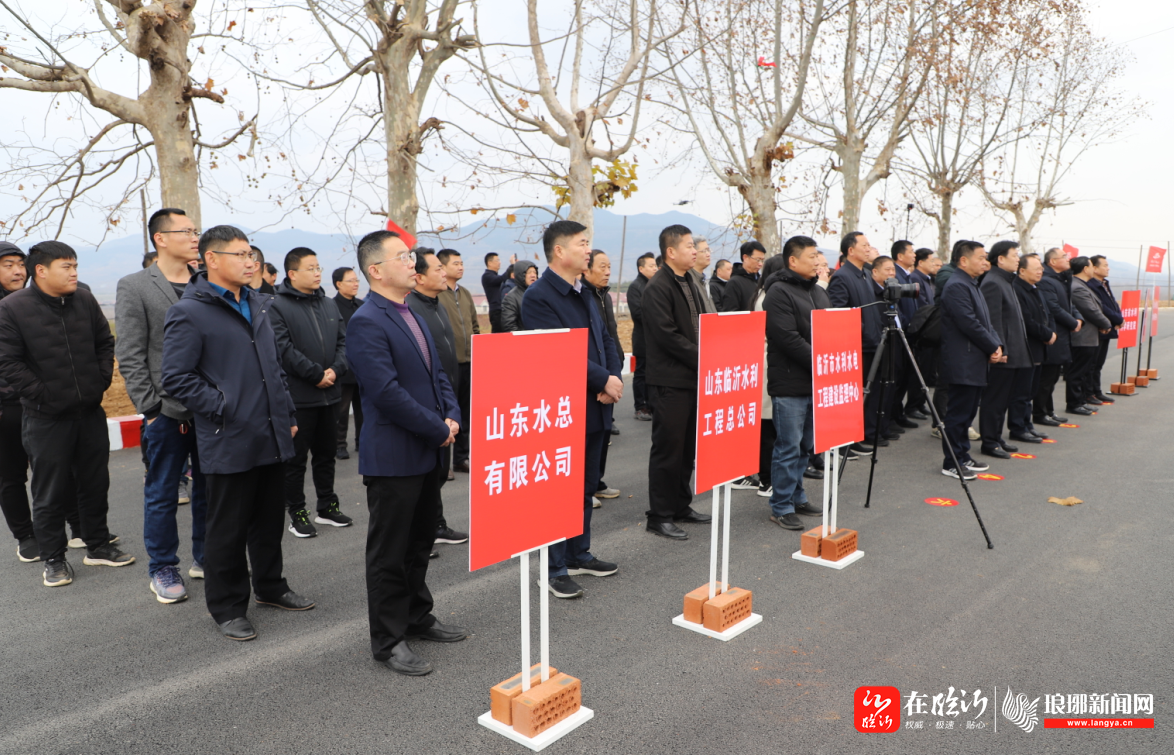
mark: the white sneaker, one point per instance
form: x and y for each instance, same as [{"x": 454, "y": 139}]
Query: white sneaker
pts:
[
  {"x": 595, "y": 503},
  {"x": 766, "y": 491},
  {"x": 196, "y": 571},
  {"x": 936, "y": 433},
  {"x": 973, "y": 434},
  {"x": 975, "y": 466},
  {"x": 76, "y": 543}
]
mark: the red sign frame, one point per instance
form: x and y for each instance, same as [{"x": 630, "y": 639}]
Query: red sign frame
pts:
[
  {"x": 730, "y": 381},
  {"x": 837, "y": 377},
  {"x": 1131, "y": 312},
  {"x": 527, "y": 435}
]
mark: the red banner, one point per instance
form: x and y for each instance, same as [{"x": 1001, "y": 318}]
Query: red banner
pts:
[
  {"x": 730, "y": 379},
  {"x": 837, "y": 383},
  {"x": 1071, "y": 251},
  {"x": 1131, "y": 311},
  {"x": 1154, "y": 313},
  {"x": 1153, "y": 263},
  {"x": 527, "y": 433}
]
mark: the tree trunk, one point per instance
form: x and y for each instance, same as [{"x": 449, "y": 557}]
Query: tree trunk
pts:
[
  {"x": 760, "y": 196},
  {"x": 403, "y": 142},
  {"x": 853, "y": 188},
  {"x": 581, "y": 184},
  {"x": 945, "y": 211}
]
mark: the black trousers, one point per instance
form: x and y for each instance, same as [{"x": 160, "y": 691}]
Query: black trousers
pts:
[
  {"x": 246, "y": 516},
  {"x": 670, "y": 460},
  {"x": 70, "y": 461},
  {"x": 1044, "y": 405},
  {"x": 14, "y": 464},
  {"x": 495, "y": 321},
  {"x": 400, "y": 531},
  {"x": 316, "y": 436},
  {"x": 1102, "y": 356},
  {"x": 350, "y": 398},
  {"x": 876, "y": 394},
  {"x": 460, "y": 450},
  {"x": 639, "y": 387},
  {"x": 1020, "y": 413},
  {"x": 1003, "y": 385},
  {"x": 1079, "y": 377},
  {"x": 962, "y": 403},
  {"x": 601, "y": 485}
]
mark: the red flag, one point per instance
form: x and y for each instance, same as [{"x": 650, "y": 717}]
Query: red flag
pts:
[
  {"x": 1071, "y": 251},
  {"x": 1154, "y": 263},
  {"x": 408, "y": 238}
]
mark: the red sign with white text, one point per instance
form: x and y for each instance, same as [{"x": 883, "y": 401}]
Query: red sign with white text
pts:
[
  {"x": 1071, "y": 251},
  {"x": 837, "y": 384},
  {"x": 527, "y": 434},
  {"x": 1153, "y": 263},
  {"x": 1154, "y": 313},
  {"x": 730, "y": 379},
  {"x": 1131, "y": 312}
]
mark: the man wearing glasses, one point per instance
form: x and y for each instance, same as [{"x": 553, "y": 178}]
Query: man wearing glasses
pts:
[
  {"x": 412, "y": 413},
  {"x": 220, "y": 360}
]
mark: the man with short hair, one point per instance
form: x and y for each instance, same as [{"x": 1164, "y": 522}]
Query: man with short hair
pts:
[
  {"x": 925, "y": 268},
  {"x": 413, "y": 416},
  {"x": 672, "y": 306},
  {"x": 595, "y": 280},
  {"x": 908, "y": 397},
  {"x": 717, "y": 286},
  {"x": 1086, "y": 343},
  {"x": 851, "y": 286},
  {"x": 926, "y": 265},
  {"x": 1056, "y": 287},
  {"x": 57, "y": 353},
  {"x": 221, "y": 361},
  {"x": 558, "y": 299},
  {"x": 168, "y": 441},
  {"x": 260, "y": 282},
  {"x": 312, "y": 345},
  {"x": 346, "y": 283},
  {"x": 1009, "y": 379},
  {"x": 969, "y": 345},
  {"x": 462, "y": 312},
  {"x": 491, "y": 283},
  {"x": 1041, "y": 334},
  {"x": 884, "y": 268},
  {"x": 645, "y": 269},
  {"x": 743, "y": 284},
  {"x": 697, "y": 273},
  {"x": 1099, "y": 285}
]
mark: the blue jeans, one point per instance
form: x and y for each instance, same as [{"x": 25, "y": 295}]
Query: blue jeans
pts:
[
  {"x": 794, "y": 439},
  {"x": 167, "y": 454},
  {"x": 577, "y": 550}
]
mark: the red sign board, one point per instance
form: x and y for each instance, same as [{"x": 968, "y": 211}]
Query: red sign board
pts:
[
  {"x": 1154, "y": 313},
  {"x": 527, "y": 434},
  {"x": 1071, "y": 251},
  {"x": 1131, "y": 311},
  {"x": 730, "y": 379},
  {"x": 1153, "y": 263},
  {"x": 837, "y": 383}
]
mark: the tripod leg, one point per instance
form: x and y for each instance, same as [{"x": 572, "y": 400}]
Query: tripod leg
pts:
[{"x": 886, "y": 381}]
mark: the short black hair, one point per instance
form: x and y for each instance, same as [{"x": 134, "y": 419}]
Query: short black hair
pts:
[
  {"x": 1078, "y": 264},
  {"x": 159, "y": 219},
  {"x": 370, "y": 247},
  {"x": 557, "y": 230},
  {"x": 1095, "y": 260},
  {"x": 1023, "y": 260},
  {"x": 269, "y": 268},
  {"x": 922, "y": 254},
  {"x": 722, "y": 264},
  {"x": 444, "y": 255},
  {"x": 45, "y": 253},
  {"x": 899, "y": 246},
  {"x": 338, "y": 274},
  {"x": 963, "y": 248},
  {"x": 489, "y": 256},
  {"x": 1000, "y": 249},
  {"x": 217, "y": 237},
  {"x": 149, "y": 259},
  {"x": 1052, "y": 254},
  {"x": 645, "y": 256},
  {"x": 260, "y": 255},
  {"x": 750, "y": 247},
  {"x": 422, "y": 253},
  {"x": 795, "y": 246},
  {"x": 670, "y": 236},
  {"x": 295, "y": 256},
  {"x": 594, "y": 253},
  {"x": 848, "y": 242},
  {"x": 882, "y": 259}
]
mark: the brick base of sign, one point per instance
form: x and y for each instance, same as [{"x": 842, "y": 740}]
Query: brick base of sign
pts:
[
  {"x": 809, "y": 542},
  {"x": 1122, "y": 389},
  {"x": 1132, "y": 380},
  {"x": 546, "y": 704},
  {"x": 1151, "y": 373},
  {"x": 730, "y": 608},
  {"x": 695, "y": 604},
  {"x": 501, "y": 696},
  {"x": 1141, "y": 381},
  {"x": 546, "y": 738},
  {"x": 838, "y": 545}
]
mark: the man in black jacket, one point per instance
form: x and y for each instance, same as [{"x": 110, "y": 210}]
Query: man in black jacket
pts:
[
  {"x": 1056, "y": 288},
  {"x": 346, "y": 283},
  {"x": 1041, "y": 334},
  {"x": 595, "y": 280},
  {"x": 791, "y": 295},
  {"x": 312, "y": 344},
  {"x": 1011, "y": 379},
  {"x": 645, "y": 269},
  {"x": 851, "y": 286},
  {"x": 672, "y": 305},
  {"x": 1099, "y": 285},
  {"x": 743, "y": 284},
  {"x": 57, "y": 353},
  {"x": 491, "y": 283},
  {"x": 717, "y": 284}
]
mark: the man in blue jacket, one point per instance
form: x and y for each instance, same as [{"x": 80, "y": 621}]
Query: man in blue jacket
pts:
[
  {"x": 412, "y": 413},
  {"x": 559, "y": 300},
  {"x": 969, "y": 346},
  {"x": 220, "y": 361}
]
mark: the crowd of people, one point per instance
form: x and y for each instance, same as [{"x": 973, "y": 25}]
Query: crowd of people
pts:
[{"x": 243, "y": 381}]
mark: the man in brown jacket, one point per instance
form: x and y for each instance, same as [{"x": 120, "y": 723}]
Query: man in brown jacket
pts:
[{"x": 458, "y": 302}]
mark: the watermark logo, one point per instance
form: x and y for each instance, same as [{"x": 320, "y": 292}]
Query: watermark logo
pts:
[
  {"x": 877, "y": 710},
  {"x": 1019, "y": 711}
]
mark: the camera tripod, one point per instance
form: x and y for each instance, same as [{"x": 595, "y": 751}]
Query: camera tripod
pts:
[{"x": 892, "y": 337}]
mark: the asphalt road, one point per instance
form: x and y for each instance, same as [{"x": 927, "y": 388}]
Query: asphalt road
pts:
[{"x": 1071, "y": 600}]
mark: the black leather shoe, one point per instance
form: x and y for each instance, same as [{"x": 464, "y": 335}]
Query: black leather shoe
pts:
[
  {"x": 1026, "y": 437},
  {"x": 906, "y": 423},
  {"x": 1105, "y": 399},
  {"x": 1083, "y": 411},
  {"x": 441, "y": 633},
  {"x": 667, "y": 529},
  {"x": 238, "y": 629},
  {"x": 812, "y": 473},
  {"x": 1008, "y": 447},
  {"x": 1047, "y": 422},
  {"x": 996, "y": 452},
  {"x": 891, "y": 435},
  {"x": 291, "y": 601},
  {"x": 806, "y": 509},
  {"x": 694, "y": 517},
  {"x": 404, "y": 660},
  {"x": 615, "y": 430},
  {"x": 1093, "y": 401},
  {"x": 341, "y": 453},
  {"x": 1058, "y": 420},
  {"x": 915, "y": 414}
]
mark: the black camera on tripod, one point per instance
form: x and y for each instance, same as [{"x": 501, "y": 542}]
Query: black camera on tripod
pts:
[{"x": 895, "y": 291}]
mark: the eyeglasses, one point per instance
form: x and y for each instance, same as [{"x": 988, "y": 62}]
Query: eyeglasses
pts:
[
  {"x": 191, "y": 232},
  {"x": 308, "y": 270},
  {"x": 249, "y": 255},
  {"x": 404, "y": 257}
]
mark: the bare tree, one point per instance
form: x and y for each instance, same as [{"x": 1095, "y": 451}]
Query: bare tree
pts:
[
  {"x": 158, "y": 34},
  {"x": 741, "y": 90}
]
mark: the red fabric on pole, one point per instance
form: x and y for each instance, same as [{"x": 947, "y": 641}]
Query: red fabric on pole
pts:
[
  {"x": 1131, "y": 311},
  {"x": 1071, "y": 251},
  {"x": 1153, "y": 263},
  {"x": 837, "y": 377},
  {"x": 407, "y": 238}
]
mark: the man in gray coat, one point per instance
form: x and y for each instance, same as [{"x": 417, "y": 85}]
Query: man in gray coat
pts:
[
  {"x": 168, "y": 439},
  {"x": 1013, "y": 377},
  {"x": 1087, "y": 341}
]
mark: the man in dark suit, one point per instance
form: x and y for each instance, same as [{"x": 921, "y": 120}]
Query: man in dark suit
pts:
[
  {"x": 904, "y": 259},
  {"x": 412, "y": 415},
  {"x": 925, "y": 267},
  {"x": 346, "y": 282},
  {"x": 1099, "y": 285},
  {"x": 220, "y": 360},
  {"x": 559, "y": 299},
  {"x": 595, "y": 280},
  {"x": 1041, "y": 334},
  {"x": 851, "y": 286},
  {"x": 1056, "y": 287},
  {"x": 491, "y": 283},
  {"x": 1011, "y": 378},
  {"x": 645, "y": 269},
  {"x": 1085, "y": 343},
  {"x": 742, "y": 287},
  {"x": 969, "y": 345},
  {"x": 672, "y": 305},
  {"x": 717, "y": 284}
]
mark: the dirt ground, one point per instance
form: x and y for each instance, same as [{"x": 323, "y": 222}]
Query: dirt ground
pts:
[{"x": 116, "y": 403}]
